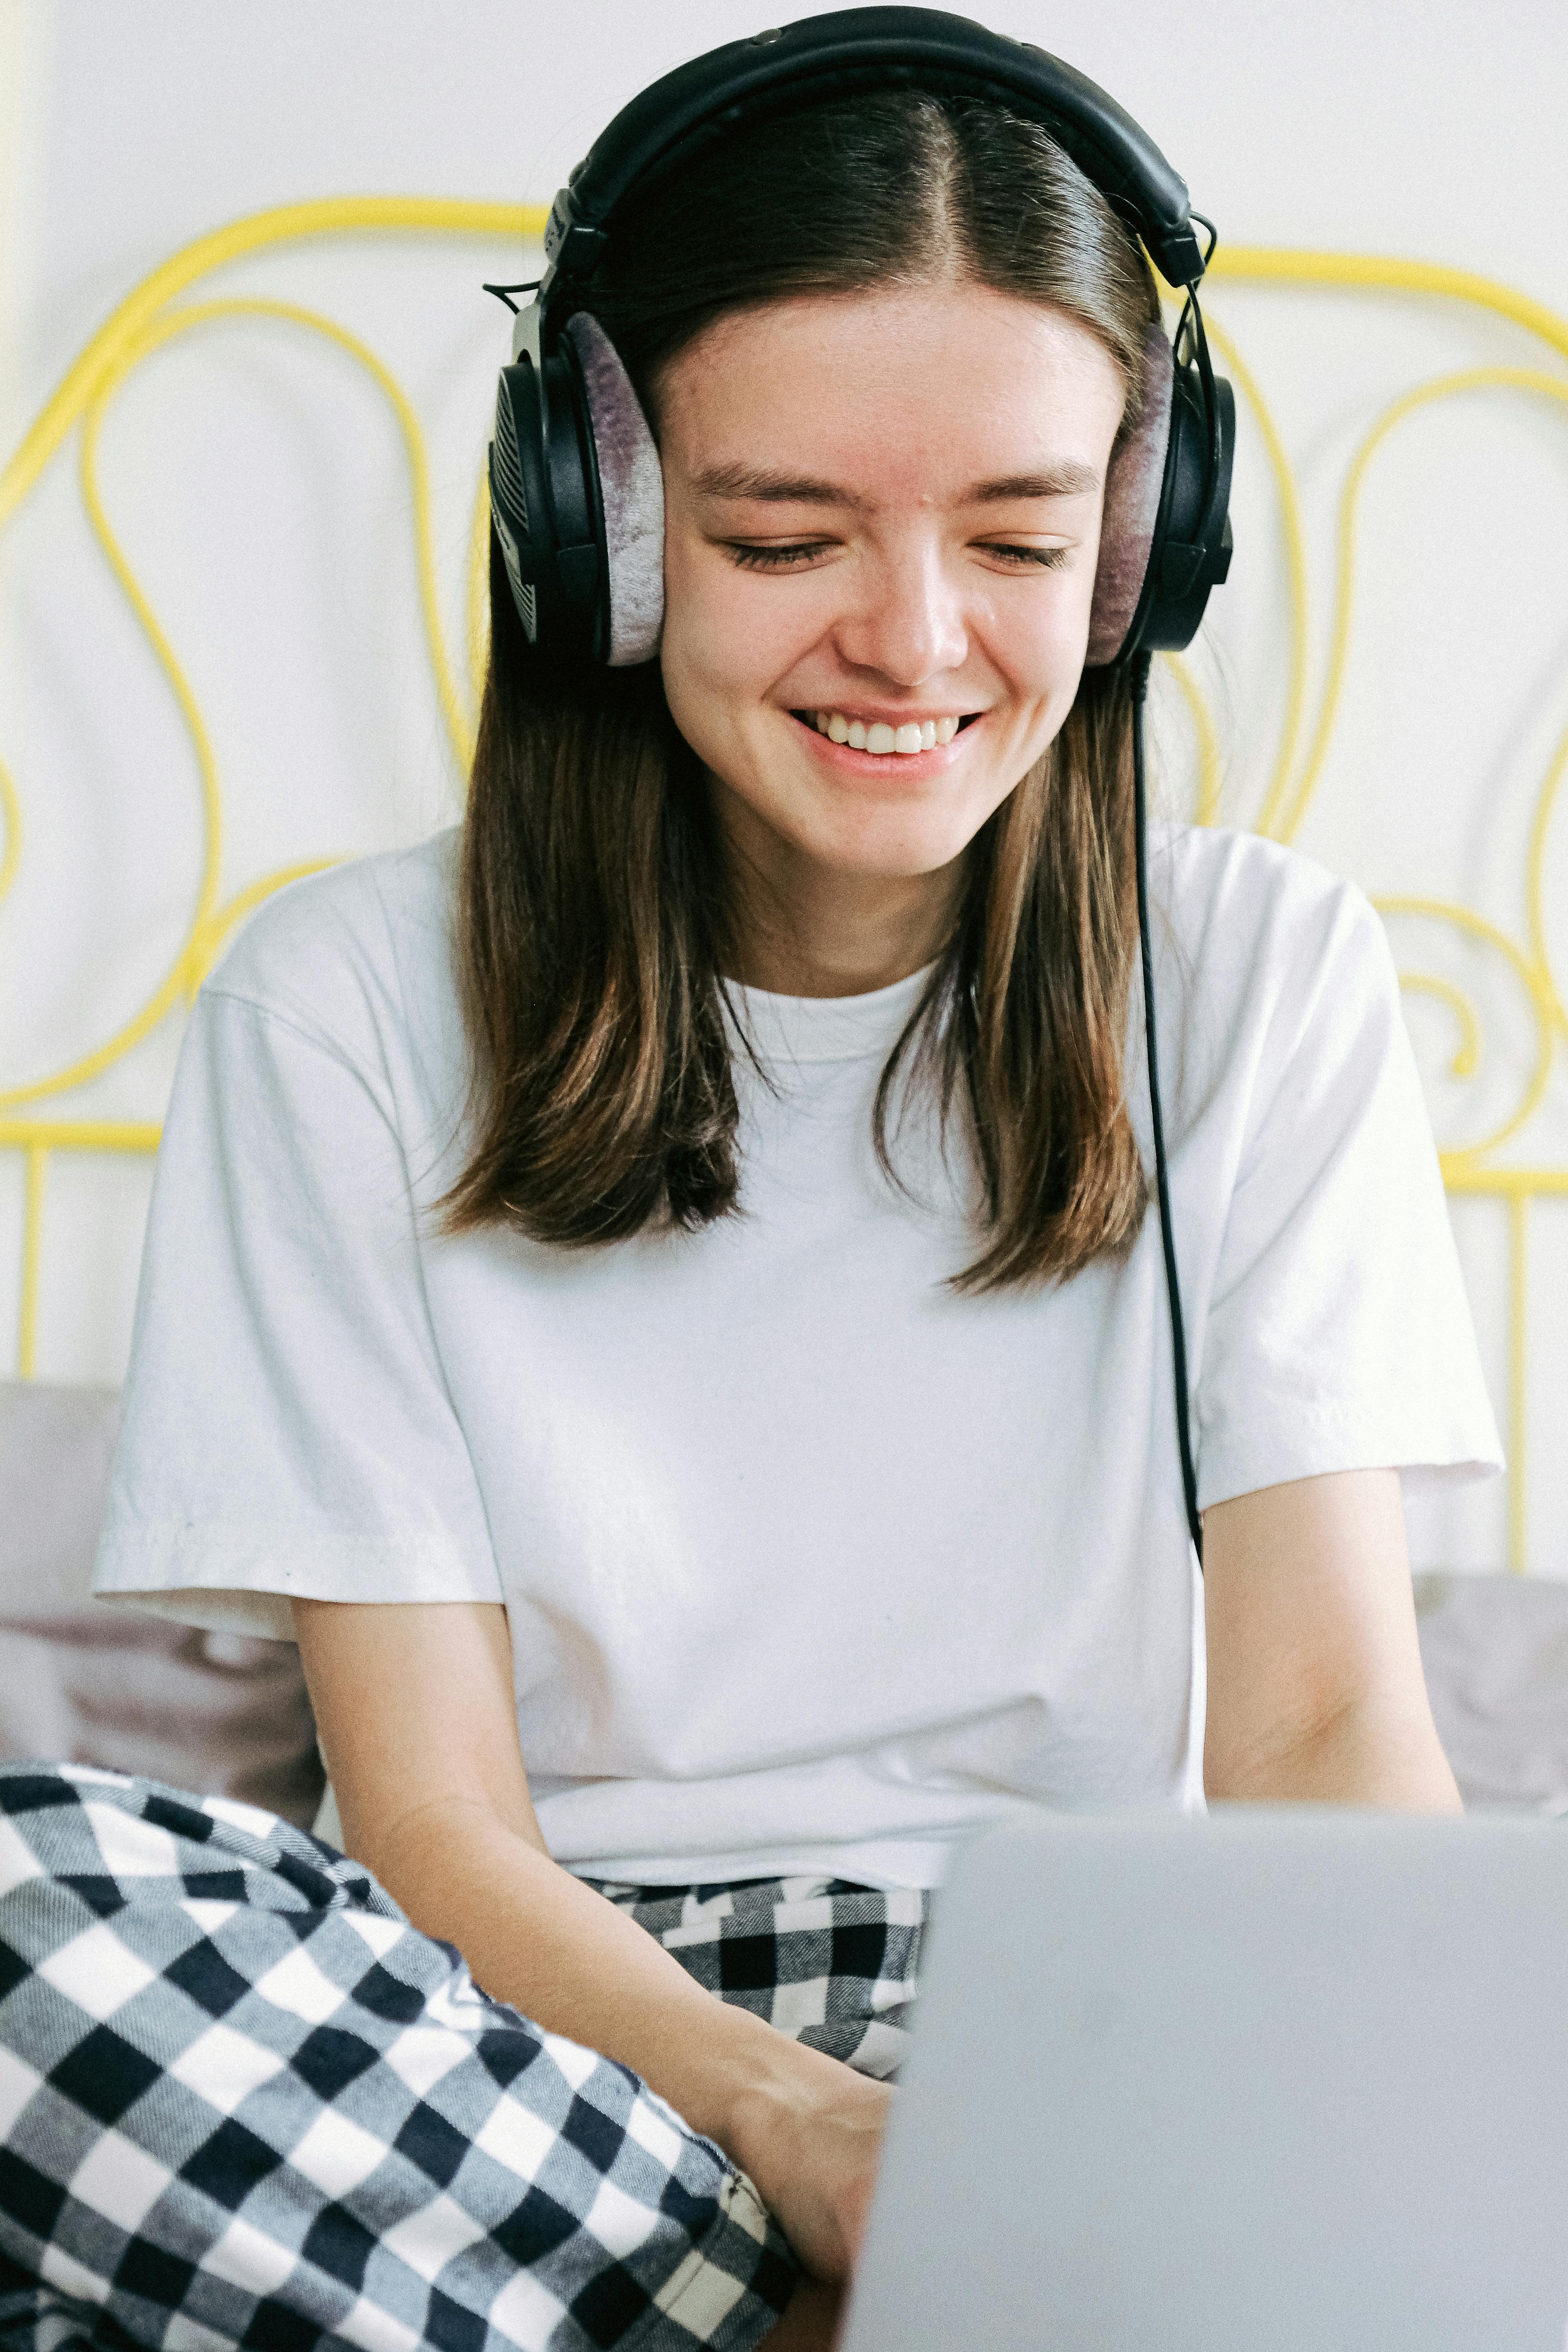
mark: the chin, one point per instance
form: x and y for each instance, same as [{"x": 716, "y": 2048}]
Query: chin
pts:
[
  {"x": 892, "y": 853},
  {"x": 861, "y": 831}
]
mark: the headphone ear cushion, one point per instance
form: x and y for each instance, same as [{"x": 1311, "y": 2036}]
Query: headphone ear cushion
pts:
[
  {"x": 631, "y": 485},
  {"x": 1133, "y": 482}
]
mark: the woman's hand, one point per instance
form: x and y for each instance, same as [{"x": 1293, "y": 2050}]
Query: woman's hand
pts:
[{"x": 808, "y": 2132}]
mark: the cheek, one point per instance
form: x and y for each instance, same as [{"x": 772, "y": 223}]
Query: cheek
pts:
[
  {"x": 725, "y": 629},
  {"x": 1038, "y": 646},
  {"x": 717, "y": 655}
]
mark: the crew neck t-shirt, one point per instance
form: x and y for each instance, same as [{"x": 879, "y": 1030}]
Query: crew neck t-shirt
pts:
[{"x": 812, "y": 1563}]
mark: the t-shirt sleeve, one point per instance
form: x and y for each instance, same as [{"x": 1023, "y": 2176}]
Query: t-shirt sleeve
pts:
[
  {"x": 288, "y": 1429},
  {"x": 1337, "y": 1334}
]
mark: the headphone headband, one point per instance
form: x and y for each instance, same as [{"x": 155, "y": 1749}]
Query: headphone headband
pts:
[{"x": 854, "y": 50}]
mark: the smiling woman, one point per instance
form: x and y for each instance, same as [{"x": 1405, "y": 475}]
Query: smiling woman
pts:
[
  {"x": 888, "y": 347},
  {"x": 685, "y": 1352}
]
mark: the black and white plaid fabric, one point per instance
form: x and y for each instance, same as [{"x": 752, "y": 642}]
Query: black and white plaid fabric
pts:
[
  {"x": 830, "y": 1964},
  {"x": 243, "y": 2103}
]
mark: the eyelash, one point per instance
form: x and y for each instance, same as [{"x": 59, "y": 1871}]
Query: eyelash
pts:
[
  {"x": 776, "y": 559},
  {"x": 771, "y": 559},
  {"x": 1044, "y": 559}
]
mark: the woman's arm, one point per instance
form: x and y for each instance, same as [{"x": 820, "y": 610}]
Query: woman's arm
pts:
[
  {"x": 414, "y": 1706},
  {"x": 1315, "y": 1687}
]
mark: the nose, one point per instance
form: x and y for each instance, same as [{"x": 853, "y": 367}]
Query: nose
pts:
[{"x": 907, "y": 624}]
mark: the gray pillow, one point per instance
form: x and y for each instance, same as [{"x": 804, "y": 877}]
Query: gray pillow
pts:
[
  {"x": 1496, "y": 1653},
  {"x": 85, "y": 1683}
]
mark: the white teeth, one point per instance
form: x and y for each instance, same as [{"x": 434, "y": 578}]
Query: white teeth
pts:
[{"x": 913, "y": 735}]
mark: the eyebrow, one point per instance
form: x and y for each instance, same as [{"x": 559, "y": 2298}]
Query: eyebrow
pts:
[
  {"x": 1067, "y": 479},
  {"x": 739, "y": 481}
]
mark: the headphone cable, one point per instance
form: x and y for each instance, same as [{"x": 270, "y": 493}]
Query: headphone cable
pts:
[{"x": 1138, "y": 673}]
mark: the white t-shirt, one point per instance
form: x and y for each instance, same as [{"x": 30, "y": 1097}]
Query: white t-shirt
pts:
[{"x": 811, "y": 1564}]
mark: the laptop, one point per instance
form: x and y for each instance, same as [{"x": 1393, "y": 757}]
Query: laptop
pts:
[{"x": 1270, "y": 2081}]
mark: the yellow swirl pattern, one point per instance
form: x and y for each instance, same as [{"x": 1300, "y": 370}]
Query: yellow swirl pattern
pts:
[
  {"x": 1472, "y": 1170},
  {"x": 150, "y": 316},
  {"x": 1467, "y": 1054},
  {"x": 154, "y": 314}
]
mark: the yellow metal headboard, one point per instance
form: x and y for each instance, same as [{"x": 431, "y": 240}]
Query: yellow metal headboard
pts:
[
  {"x": 154, "y": 314},
  {"x": 149, "y": 317}
]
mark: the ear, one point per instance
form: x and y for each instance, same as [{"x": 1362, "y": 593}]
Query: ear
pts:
[
  {"x": 1134, "y": 481},
  {"x": 632, "y": 486}
]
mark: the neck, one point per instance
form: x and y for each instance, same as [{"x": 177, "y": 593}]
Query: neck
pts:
[{"x": 799, "y": 929}]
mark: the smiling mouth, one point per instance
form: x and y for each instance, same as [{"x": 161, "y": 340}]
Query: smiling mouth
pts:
[{"x": 880, "y": 737}]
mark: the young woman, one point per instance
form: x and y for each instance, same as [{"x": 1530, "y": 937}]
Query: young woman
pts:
[{"x": 659, "y": 1297}]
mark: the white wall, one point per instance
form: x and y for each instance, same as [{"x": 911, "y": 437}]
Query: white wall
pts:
[{"x": 259, "y": 488}]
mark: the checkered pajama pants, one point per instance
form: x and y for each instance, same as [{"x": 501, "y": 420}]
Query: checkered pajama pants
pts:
[{"x": 243, "y": 2103}]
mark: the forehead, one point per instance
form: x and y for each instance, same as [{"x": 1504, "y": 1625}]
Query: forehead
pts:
[{"x": 899, "y": 393}]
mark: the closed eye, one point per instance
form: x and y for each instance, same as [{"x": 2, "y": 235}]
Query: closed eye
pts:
[
  {"x": 1043, "y": 559},
  {"x": 774, "y": 558}
]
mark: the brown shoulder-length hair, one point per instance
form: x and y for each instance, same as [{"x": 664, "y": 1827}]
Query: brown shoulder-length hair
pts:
[{"x": 593, "y": 913}]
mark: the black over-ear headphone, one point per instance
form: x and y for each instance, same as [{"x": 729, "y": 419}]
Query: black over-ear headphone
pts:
[
  {"x": 574, "y": 488},
  {"x": 576, "y": 494}
]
